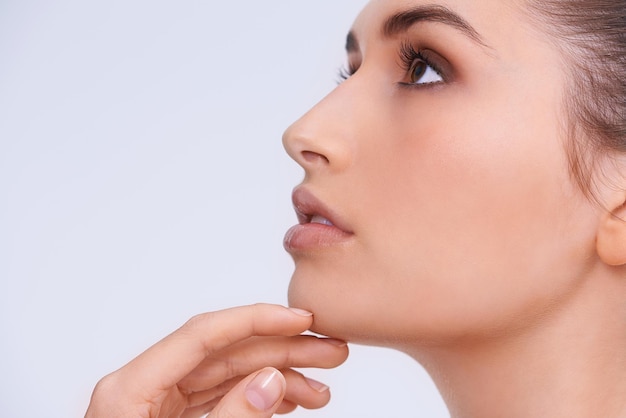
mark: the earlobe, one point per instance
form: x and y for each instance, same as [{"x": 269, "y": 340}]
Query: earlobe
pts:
[{"x": 611, "y": 239}]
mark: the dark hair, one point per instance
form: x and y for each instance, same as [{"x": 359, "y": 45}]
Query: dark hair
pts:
[{"x": 592, "y": 36}]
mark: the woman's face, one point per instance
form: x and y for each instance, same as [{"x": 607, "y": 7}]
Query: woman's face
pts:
[{"x": 441, "y": 161}]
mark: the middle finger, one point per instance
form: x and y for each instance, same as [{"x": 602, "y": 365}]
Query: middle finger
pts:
[{"x": 255, "y": 353}]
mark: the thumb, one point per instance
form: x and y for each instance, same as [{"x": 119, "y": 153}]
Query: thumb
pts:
[{"x": 257, "y": 396}]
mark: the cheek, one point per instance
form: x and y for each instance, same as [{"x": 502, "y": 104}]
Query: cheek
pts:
[
  {"x": 460, "y": 173},
  {"x": 466, "y": 218},
  {"x": 478, "y": 212},
  {"x": 465, "y": 226}
]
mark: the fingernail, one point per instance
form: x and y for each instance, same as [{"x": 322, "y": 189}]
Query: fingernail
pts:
[
  {"x": 333, "y": 341},
  {"x": 318, "y": 386},
  {"x": 265, "y": 389},
  {"x": 301, "y": 312}
]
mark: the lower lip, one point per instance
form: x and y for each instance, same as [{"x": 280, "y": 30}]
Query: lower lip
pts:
[{"x": 311, "y": 236}]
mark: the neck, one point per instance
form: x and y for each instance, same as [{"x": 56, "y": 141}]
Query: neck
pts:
[{"x": 571, "y": 363}]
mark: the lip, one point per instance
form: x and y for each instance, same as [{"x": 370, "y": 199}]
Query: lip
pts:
[{"x": 310, "y": 236}]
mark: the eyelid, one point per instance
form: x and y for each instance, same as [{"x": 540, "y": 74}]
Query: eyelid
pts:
[
  {"x": 348, "y": 69},
  {"x": 437, "y": 62},
  {"x": 345, "y": 72},
  {"x": 409, "y": 54}
]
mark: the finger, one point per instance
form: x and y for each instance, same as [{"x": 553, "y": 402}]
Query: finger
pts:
[
  {"x": 286, "y": 407},
  {"x": 212, "y": 396},
  {"x": 252, "y": 354},
  {"x": 257, "y": 396},
  {"x": 301, "y": 390},
  {"x": 164, "y": 364},
  {"x": 304, "y": 391}
]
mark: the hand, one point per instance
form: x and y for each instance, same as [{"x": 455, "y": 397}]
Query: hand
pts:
[{"x": 231, "y": 363}]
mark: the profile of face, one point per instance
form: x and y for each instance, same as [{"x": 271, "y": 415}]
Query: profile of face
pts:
[{"x": 437, "y": 202}]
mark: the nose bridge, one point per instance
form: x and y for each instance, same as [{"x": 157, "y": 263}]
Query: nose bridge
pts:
[{"x": 324, "y": 135}]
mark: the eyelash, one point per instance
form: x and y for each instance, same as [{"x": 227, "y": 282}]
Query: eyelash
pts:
[
  {"x": 345, "y": 72},
  {"x": 408, "y": 56}
]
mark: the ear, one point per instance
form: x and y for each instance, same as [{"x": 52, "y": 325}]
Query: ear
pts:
[{"x": 611, "y": 238}]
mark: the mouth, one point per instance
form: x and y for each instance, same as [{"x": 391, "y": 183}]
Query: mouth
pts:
[
  {"x": 318, "y": 226},
  {"x": 309, "y": 216},
  {"x": 317, "y": 219},
  {"x": 310, "y": 210}
]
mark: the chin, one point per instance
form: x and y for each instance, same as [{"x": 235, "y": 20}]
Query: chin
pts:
[
  {"x": 325, "y": 315},
  {"x": 338, "y": 315},
  {"x": 376, "y": 318}
]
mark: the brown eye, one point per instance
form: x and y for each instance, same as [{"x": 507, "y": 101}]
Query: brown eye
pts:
[
  {"x": 421, "y": 66},
  {"x": 421, "y": 72},
  {"x": 418, "y": 69}
]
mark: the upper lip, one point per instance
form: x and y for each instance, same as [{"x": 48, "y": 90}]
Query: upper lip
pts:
[{"x": 307, "y": 205}]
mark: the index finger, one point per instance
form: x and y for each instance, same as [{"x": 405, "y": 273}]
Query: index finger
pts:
[{"x": 168, "y": 361}]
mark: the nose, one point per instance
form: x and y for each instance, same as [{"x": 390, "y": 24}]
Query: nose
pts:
[{"x": 322, "y": 139}]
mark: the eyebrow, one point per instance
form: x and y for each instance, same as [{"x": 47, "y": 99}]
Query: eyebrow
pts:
[{"x": 404, "y": 20}]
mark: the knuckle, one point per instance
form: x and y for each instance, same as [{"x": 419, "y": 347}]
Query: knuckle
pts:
[
  {"x": 197, "y": 320},
  {"x": 261, "y": 309},
  {"x": 258, "y": 309},
  {"x": 106, "y": 385},
  {"x": 287, "y": 358},
  {"x": 106, "y": 398}
]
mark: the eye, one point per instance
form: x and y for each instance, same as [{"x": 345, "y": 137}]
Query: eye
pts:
[
  {"x": 421, "y": 72},
  {"x": 419, "y": 68},
  {"x": 345, "y": 72}
]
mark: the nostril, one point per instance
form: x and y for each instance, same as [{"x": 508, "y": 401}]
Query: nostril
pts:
[{"x": 312, "y": 157}]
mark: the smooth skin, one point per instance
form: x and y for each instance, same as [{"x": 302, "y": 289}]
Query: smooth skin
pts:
[
  {"x": 472, "y": 248},
  {"x": 232, "y": 363}
]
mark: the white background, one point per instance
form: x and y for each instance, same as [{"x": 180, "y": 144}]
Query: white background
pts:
[{"x": 142, "y": 180}]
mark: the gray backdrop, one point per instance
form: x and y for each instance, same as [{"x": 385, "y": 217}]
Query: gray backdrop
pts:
[{"x": 142, "y": 180}]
